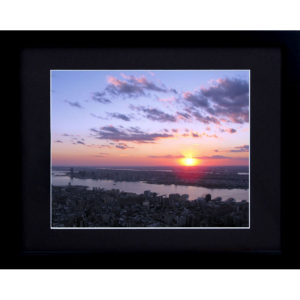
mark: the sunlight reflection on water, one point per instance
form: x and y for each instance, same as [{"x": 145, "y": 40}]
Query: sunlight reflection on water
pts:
[{"x": 59, "y": 179}]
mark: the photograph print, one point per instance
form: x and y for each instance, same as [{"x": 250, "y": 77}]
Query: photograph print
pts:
[{"x": 150, "y": 149}]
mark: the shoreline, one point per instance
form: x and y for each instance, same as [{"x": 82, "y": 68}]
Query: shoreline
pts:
[
  {"x": 210, "y": 180},
  {"x": 167, "y": 184},
  {"x": 112, "y": 189}
]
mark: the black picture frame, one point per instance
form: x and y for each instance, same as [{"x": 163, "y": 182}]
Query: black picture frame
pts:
[{"x": 272, "y": 57}]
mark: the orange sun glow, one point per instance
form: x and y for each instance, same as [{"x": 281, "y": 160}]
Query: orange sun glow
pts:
[{"x": 189, "y": 161}]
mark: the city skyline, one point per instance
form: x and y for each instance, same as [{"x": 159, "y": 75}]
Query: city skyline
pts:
[{"x": 150, "y": 118}]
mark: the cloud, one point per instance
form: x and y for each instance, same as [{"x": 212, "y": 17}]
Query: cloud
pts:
[
  {"x": 166, "y": 156},
  {"x": 74, "y": 104},
  {"x": 117, "y": 87},
  {"x": 230, "y": 98},
  {"x": 132, "y": 134},
  {"x": 205, "y": 119},
  {"x": 209, "y": 135},
  {"x": 228, "y": 92},
  {"x": 100, "y": 97},
  {"x": 135, "y": 129},
  {"x": 132, "y": 86},
  {"x": 229, "y": 130},
  {"x": 113, "y": 115},
  {"x": 170, "y": 99},
  {"x": 123, "y": 146},
  {"x": 199, "y": 135},
  {"x": 226, "y": 99},
  {"x": 99, "y": 146},
  {"x": 183, "y": 116},
  {"x": 154, "y": 114},
  {"x": 58, "y": 141},
  {"x": 74, "y": 138},
  {"x": 214, "y": 157},
  {"x": 98, "y": 117},
  {"x": 197, "y": 99},
  {"x": 119, "y": 116},
  {"x": 244, "y": 148}
]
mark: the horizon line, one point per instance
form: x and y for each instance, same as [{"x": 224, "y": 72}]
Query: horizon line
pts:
[{"x": 141, "y": 166}]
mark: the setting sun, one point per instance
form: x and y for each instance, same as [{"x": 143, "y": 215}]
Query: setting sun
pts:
[{"x": 189, "y": 161}]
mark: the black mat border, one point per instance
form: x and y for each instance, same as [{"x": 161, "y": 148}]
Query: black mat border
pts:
[{"x": 288, "y": 42}]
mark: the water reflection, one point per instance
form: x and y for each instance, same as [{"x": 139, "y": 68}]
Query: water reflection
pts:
[{"x": 59, "y": 179}]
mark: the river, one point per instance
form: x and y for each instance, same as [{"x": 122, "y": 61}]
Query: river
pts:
[{"x": 59, "y": 179}]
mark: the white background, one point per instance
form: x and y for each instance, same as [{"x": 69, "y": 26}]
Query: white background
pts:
[
  {"x": 149, "y": 285},
  {"x": 147, "y": 15},
  {"x": 151, "y": 14}
]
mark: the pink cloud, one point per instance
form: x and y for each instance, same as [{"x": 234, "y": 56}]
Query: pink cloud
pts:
[
  {"x": 171, "y": 99},
  {"x": 229, "y": 130},
  {"x": 114, "y": 81},
  {"x": 187, "y": 95}
]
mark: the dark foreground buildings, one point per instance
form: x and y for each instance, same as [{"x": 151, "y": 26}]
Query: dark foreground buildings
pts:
[{"x": 76, "y": 206}]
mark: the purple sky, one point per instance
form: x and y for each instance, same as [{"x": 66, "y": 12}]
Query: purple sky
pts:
[{"x": 149, "y": 117}]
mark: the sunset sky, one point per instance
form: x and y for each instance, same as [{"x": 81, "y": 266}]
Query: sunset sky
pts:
[{"x": 149, "y": 118}]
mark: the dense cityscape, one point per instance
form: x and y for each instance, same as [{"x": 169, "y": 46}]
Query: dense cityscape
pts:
[{"x": 77, "y": 206}]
